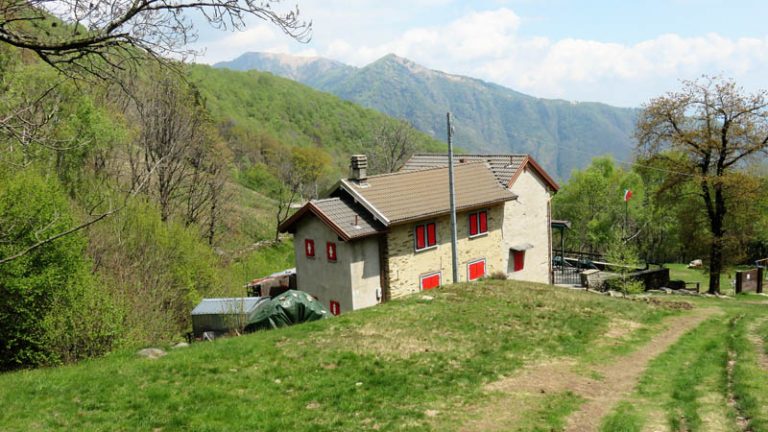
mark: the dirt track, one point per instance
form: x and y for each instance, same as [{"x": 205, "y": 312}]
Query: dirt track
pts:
[{"x": 617, "y": 380}]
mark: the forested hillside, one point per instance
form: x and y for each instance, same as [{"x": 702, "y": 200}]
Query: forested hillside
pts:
[
  {"x": 489, "y": 118},
  {"x": 125, "y": 201}
]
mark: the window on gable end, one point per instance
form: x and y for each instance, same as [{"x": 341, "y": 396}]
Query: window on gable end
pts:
[
  {"x": 331, "y": 251},
  {"x": 309, "y": 248}
]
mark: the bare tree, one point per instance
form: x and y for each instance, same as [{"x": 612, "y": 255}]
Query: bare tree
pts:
[
  {"x": 171, "y": 130},
  {"x": 392, "y": 145},
  {"x": 717, "y": 129},
  {"x": 99, "y": 36}
]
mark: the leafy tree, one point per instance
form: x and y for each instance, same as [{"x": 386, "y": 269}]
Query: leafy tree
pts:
[
  {"x": 718, "y": 129},
  {"x": 49, "y": 310},
  {"x": 592, "y": 201}
]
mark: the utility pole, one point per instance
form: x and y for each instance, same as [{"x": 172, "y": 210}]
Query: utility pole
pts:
[{"x": 454, "y": 252}]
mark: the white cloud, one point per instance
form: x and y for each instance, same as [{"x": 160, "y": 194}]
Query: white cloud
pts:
[{"x": 488, "y": 45}]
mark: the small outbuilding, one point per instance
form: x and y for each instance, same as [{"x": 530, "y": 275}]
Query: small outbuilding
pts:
[{"x": 222, "y": 315}]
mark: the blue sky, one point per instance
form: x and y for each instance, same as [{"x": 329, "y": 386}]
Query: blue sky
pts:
[{"x": 618, "y": 52}]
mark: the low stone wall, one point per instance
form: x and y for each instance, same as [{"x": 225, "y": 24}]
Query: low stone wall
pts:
[{"x": 653, "y": 278}]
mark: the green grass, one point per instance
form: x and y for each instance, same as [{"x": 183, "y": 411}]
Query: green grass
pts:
[
  {"x": 624, "y": 418},
  {"x": 750, "y": 381},
  {"x": 380, "y": 368},
  {"x": 552, "y": 413},
  {"x": 682, "y": 272},
  {"x": 688, "y": 384}
]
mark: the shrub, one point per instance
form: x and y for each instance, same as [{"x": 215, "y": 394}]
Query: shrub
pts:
[{"x": 48, "y": 303}]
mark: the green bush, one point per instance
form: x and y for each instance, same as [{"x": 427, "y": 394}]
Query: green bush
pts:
[{"x": 50, "y": 311}]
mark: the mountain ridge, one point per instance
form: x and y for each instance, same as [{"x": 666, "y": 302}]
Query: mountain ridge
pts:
[{"x": 560, "y": 134}]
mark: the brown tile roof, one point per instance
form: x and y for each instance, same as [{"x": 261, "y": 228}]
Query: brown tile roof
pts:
[
  {"x": 506, "y": 167},
  {"x": 410, "y": 195},
  {"x": 348, "y": 220}
]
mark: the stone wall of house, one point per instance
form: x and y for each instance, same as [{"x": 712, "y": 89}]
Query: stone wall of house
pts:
[
  {"x": 352, "y": 280},
  {"x": 527, "y": 221},
  {"x": 407, "y": 265}
]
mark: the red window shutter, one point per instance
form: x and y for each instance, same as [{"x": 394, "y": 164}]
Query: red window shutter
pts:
[
  {"x": 483, "y": 221},
  {"x": 431, "y": 281},
  {"x": 473, "y": 224},
  {"x": 331, "y": 248},
  {"x": 519, "y": 260},
  {"x": 309, "y": 247},
  {"x": 476, "y": 270},
  {"x": 420, "y": 237},
  {"x": 335, "y": 307},
  {"x": 431, "y": 237}
]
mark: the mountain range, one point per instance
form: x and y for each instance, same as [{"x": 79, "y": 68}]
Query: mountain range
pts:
[{"x": 488, "y": 118}]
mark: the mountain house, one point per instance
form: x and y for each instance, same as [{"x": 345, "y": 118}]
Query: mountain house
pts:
[{"x": 380, "y": 237}]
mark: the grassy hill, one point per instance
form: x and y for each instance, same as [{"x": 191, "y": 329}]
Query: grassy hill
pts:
[
  {"x": 419, "y": 363},
  {"x": 293, "y": 114},
  {"x": 383, "y": 367}
]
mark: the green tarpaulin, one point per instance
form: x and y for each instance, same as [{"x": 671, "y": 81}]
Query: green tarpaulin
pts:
[
  {"x": 221, "y": 316},
  {"x": 290, "y": 307}
]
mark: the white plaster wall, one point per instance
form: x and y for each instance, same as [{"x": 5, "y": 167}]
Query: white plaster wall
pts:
[
  {"x": 317, "y": 276},
  {"x": 526, "y": 220},
  {"x": 364, "y": 271}
]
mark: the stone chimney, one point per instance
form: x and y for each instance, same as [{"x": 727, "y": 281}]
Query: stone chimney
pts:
[{"x": 358, "y": 168}]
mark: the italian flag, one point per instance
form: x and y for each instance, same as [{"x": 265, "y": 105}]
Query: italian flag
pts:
[{"x": 627, "y": 195}]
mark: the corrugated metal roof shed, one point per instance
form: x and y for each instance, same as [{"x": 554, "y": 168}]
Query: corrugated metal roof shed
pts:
[{"x": 227, "y": 306}]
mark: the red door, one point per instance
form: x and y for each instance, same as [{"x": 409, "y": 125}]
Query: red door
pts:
[{"x": 476, "y": 270}]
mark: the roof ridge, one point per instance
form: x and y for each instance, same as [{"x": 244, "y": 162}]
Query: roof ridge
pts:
[
  {"x": 424, "y": 169},
  {"x": 317, "y": 200},
  {"x": 475, "y": 154}
]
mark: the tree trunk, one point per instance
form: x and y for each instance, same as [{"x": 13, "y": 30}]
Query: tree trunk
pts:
[
  {"x": 716, "y": 252},
  {"x": 715, "y": 265}
]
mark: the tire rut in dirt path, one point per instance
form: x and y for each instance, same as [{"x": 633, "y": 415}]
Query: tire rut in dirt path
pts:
[
  {"x": 759, "y": 344},
  {"x": 618, "y": 379},
  {"x": 622, "y": 374}
]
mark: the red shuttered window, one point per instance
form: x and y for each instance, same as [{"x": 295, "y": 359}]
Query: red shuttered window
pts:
[
  {"x": 478, "y": 223},
  {"x": 425, "y": 235},
  {"x": 309, "y": 248},
  {"x": 476, "y": 270},
  {"x": 519, "y": 257},
  {"x": 331, "y": 251},
  {"x": 429, "y": 281}
]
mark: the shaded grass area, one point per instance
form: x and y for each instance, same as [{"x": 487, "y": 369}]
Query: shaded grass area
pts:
[
  {"x": 383, "y": 368},
  {"x": 750, "y": 380}
]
